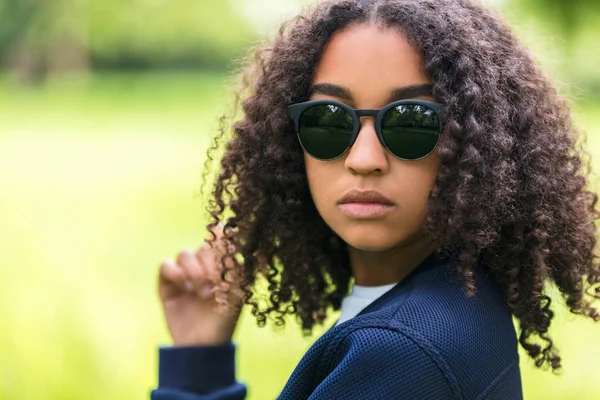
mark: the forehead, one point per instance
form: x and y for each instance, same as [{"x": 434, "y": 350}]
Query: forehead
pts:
[{"x": 370, "y": 61}]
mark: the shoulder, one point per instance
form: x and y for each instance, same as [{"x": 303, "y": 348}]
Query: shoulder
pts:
[
  {"x": 474, "y": 336},
  {"x": 375, "y": 358},
  {"x": 434, "y": 303},
  {"x": 438, "y": 310},
  {"x": 385, "y": 346},
  {"x": 433, "y": 310}
]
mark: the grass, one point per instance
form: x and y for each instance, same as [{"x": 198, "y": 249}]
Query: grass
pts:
[{"x": 99, "y": 176}]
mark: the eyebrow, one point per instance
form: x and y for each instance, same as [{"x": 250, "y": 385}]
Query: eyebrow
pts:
[{"x": 405, "y": 92}]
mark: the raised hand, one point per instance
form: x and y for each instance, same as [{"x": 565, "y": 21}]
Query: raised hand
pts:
[{"x": 196, "y": 308}]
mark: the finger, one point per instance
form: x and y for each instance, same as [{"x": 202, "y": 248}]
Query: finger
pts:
[
  {"x": 209, "y": 261},
  {"x": 170, "y": 273},
  {"x": 225, "y": 292},
  {"x": 196, "y": 271}
]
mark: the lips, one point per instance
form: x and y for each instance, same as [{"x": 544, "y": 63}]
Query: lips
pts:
[
  {"x": 368, "y": 196},
  {"x": 369, "y": 204}
]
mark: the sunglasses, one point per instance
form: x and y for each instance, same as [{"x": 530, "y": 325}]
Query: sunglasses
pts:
[{"x": 409, "y": 129}]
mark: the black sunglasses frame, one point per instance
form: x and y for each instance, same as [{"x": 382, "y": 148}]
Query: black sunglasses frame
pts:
[{"x": 295, "y": 111}]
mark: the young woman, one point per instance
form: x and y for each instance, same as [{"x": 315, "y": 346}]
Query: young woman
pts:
[{"x": 407, "y": 162}]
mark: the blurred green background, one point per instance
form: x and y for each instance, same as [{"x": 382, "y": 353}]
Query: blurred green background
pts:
[{"x": 106, "y": 110}]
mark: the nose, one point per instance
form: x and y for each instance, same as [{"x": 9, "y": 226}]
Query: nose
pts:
[{"x": 367, "y": 155}]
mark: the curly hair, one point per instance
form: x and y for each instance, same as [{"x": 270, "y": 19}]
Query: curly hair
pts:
[{"x": 510, "y": 192}]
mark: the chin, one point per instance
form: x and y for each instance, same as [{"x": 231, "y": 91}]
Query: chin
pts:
[
  {"x": 374, "y": 248},
  {"x": 369, "y": 241}
]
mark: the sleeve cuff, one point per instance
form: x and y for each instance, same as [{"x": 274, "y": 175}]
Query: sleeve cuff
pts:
[{"x": 197, "y": 369}]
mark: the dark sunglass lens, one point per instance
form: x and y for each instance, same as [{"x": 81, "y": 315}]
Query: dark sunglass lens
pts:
[
  {"x": 410, "y": 131},
  {"x": 325, "y": 131}
]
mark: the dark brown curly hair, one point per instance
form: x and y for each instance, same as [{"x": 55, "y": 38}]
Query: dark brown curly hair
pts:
[{"x": 510, "y": 193}]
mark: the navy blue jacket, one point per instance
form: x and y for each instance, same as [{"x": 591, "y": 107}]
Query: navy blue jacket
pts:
[{"x": 423, "y": 339}]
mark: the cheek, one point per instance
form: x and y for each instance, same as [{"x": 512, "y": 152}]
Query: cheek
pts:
[
  {"x": 413, "y": 199},
  {"x": 321, "y": 177},
  {"x": 414, "y": 191}
]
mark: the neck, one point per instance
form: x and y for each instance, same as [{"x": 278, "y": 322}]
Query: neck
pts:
[{"x": 376, "y": 268}]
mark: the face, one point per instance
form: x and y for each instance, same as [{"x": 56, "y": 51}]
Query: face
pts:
[{"x": 362, "y": 66}]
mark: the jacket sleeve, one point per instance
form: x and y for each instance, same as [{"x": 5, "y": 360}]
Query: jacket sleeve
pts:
[
  {"x": 198, "y": 373},
  {"x": 379, "y": 363}
]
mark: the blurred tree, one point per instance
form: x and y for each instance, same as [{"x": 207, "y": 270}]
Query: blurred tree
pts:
[
  {"x": 16, "y": 17},
  {"x": 564, "y": 14},
  {"x": 563, "y": 34},
  {"x": 166, "y": 33},
  {"x": 42, "y": 37}
]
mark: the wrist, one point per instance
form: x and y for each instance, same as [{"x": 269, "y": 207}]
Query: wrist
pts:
[
  {"x": 204, "y": 337},
  {"x": 191, "y": 342}
]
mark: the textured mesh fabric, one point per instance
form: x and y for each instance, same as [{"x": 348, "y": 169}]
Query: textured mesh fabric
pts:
[
  {"x": 388, "y": 360},
  {"x": 507, "y": 386},
  {"x": 474, "y": 335},
  {"x": 424, "y": 339}
]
